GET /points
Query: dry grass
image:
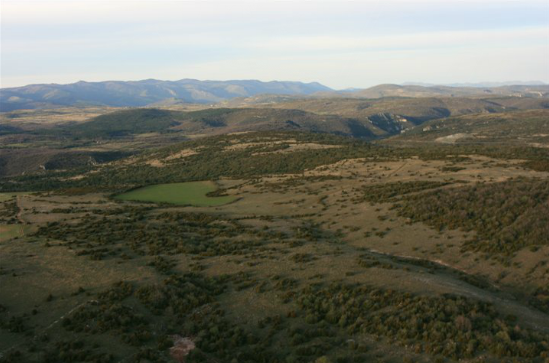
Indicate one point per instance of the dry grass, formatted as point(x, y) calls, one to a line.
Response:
point(290, 202)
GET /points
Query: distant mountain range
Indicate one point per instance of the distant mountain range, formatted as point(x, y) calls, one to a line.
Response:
point(394, 90)
point(142, 93)
point(479, 84)
point(165, 93)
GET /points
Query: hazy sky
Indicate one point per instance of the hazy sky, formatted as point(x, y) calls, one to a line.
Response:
point(340, 44)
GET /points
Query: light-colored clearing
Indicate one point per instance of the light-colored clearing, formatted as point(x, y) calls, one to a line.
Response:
point(451, 139)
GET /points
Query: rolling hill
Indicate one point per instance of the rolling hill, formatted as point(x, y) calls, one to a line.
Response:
point(141, 93)
point(527, 127)
point(390, 116)
point(216, 121)
point(368, 119)
point(158, 93)
point(33, 160)
point(278, 247)
point(394, 90)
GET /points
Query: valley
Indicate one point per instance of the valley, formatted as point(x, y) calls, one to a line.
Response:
point(319, 227)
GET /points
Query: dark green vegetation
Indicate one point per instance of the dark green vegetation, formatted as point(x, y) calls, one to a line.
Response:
point(333, 249)
point(378, 193)
point(17, 162)
point(96, 135)
point(392, 116)
point(451, 326)
point(265, 153)
point(126, 123)
point(134, 232)
point(338, 322)
point(519, 127)
point(122, 123)
point(215, 159)
point(506, 216)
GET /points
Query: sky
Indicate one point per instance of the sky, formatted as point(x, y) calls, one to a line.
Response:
point(337, 43)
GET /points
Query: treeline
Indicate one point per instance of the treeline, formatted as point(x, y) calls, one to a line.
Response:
point(134, 232)
point(214, 160)
point(326, 322)
point(447, 326)
point(506, 216)
point(386, 192)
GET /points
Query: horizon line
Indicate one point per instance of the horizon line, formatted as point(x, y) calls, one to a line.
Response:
point(405, 83)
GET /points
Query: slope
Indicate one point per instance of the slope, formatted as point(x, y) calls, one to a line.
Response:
point(393, 90)
point(528, 128)
point(215, 121)
point(141, 93)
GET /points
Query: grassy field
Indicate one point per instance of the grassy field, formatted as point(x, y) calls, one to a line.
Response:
point(193, 193)
point(5, 196)
point(319, 263)
point(9, 231)
point(8, 196)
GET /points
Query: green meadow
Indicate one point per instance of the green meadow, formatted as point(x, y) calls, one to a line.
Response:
point(191, 193)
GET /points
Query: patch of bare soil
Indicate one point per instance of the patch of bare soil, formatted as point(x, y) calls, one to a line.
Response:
point(300, 147)
point(182, 154)
point(182, 346)
point(245, 145)
point(451, 139)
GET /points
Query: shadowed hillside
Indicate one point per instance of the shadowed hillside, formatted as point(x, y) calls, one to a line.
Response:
point(216, 121)
point(390, 116)
point(530, 127)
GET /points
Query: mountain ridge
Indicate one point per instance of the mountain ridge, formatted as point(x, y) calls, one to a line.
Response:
point(144, 92)
point(157, 92)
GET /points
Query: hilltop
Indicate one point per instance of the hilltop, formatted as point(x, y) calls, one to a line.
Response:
point(393, 90)
point(524, 127)
point(83, 136)
point(390, 116)
point(142, 93)
point(158, 93)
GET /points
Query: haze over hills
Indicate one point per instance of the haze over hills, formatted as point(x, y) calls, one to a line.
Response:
point(216, 121)
point(478, 84)
point(390, 116)
point(153, 92)
point(394, 90)
point(142, 93)
point(367, 119)
point(523, 127)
